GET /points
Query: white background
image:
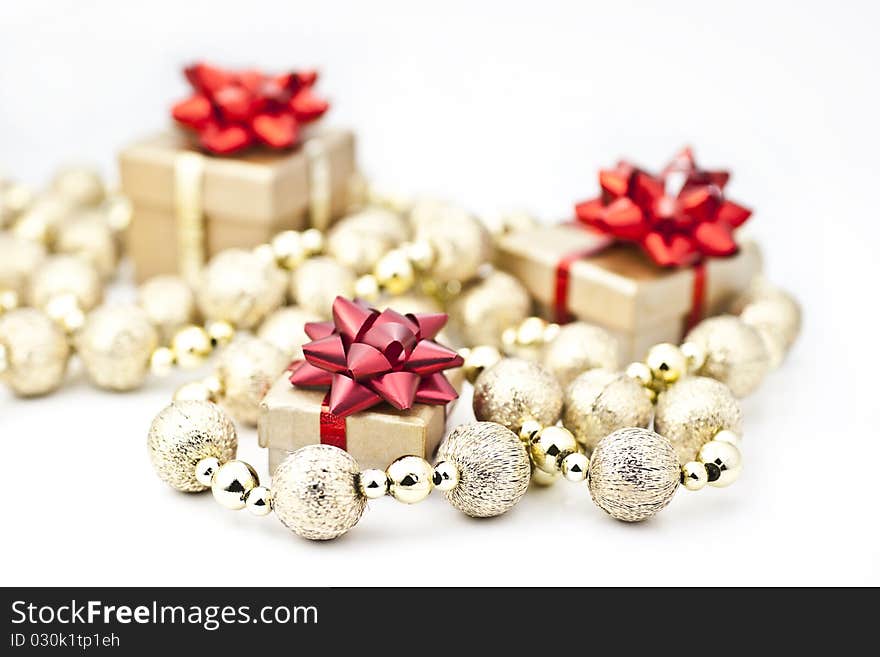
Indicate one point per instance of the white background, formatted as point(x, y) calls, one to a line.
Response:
point(495, 106)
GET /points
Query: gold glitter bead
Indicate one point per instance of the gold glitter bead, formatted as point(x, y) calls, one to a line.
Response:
point(318, 281)
point(461, 244)
point(410, 479)
point(184, 433)
point(633, 474)
point(64, 310)
point(579, 347)
point(191, 346)
point(313, 241)
point(446, 476)
point(315, 492)
point(723, 463)
point(549, 446)
point(479, 359)
point(66, 274)
point(194, 391)
point(666, 362)
point(735, 353)
point(694, 475)
point(88, 236)
point(18, 259)
point(258, 501)
point(285, 328)
point(238, 287)
point(247, 368)
point(777, 320)
point(516, 390)
point(35, 352)
point(493, 468)
point(692, 411)
point(486, 307)
point(360, 240)
point(373, 483)
point(366, 287)
point(81, 185)
point(115, 346)
point(232, 482)
point(288, 249)
point(220, 332)
point(599, 402)
point(575, 466)
point(169, 303)
point(205, 470)
point(394, 272)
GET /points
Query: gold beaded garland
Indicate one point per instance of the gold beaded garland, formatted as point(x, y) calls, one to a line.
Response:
point(579, 347)
point(35, 352)
point(735, 353)
point(514, 391)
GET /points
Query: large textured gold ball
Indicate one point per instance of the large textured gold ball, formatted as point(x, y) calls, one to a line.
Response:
point(35, 350)
point(66, 275)
point(80, 185)
point(493, 468)
point(460, 242)
point(577, 348)
point(485, 308)
point(247, 368)
point(318, 281)
point(115, 345)
point(88, 236)
point(316, 492)
point(599, 402)
point(778, 320)
point(285, 328)
point(239, 287)
point(18, 259)
point(692, 411)
point(514, 391)
point(184, 433)
point(735, 353)
point(361, 239)
point(169, 303)
point(633, 474)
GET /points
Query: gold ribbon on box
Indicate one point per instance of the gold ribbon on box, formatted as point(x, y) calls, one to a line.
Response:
point(189, 211)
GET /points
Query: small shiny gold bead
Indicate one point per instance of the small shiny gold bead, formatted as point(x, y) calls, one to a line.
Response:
point(641, 373)
point(452, 288)
point(373, 483)
point(4, 358)
point(421, 254)
point(289, 249)
point(727, 436)
point(508, 339)
point(550, 446)
point(205, 470)
point(220, 332)
point(551, 332)
point(695, 355)
point(232, 482)
point(446, 476)
point(65, 311)
point(265, 254)
point(258, 501)
point(694, 475)
point(161, 361)
point(394, 272)
point(366, 287)
point(312, 241)
point(531, 331)
point(214, 385)
point(118, 210)
point(575, 467)
point(410, 479)
point(543, 479)
point(193, 391)
point(529, 430)
point(191, 346)
point(8, 300)
point(478, 359)
point(723, 462)
point(667, 362)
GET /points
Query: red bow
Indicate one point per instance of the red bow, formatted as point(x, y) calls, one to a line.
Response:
point(675, 227)
point(366, 357)
point(233, 110)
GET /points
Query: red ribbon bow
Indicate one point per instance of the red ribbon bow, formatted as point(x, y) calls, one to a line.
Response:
point(366, 357)
point(231, 110)
point(678, 217)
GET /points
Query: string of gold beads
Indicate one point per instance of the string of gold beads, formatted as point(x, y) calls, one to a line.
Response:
point(665, 364)
point(718, 464)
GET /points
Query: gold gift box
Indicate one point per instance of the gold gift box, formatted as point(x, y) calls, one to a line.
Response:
point(290, 418)
point(187, 206)
point(618, 287)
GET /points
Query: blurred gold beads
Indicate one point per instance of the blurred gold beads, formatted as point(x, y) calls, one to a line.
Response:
point(478, 359)
point(410, 479)
point(666, 362)
point(723, 462)
point(318, 281)
point(366, 287)
point(579, 347)
point(246, 370)
point(80, 185)
point(191, 346)
point(66, 274)
point(550, 446)
point(488, 306)
point(219, 332)
point(288, 249)
point(35, 352)
point(169, 303)
point(373, 483)
point(232, 482)
point(394, 272)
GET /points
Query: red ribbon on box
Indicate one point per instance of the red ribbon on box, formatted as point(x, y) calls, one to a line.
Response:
point(679, 218)
point(232, 110)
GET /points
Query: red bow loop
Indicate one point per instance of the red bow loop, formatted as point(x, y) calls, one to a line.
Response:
point(678, 217)
point(231, 110)
point(366, 357)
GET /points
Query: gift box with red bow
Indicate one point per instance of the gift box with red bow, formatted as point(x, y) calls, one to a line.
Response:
point(244, 162)
point(646, 259)
point(373, 383)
